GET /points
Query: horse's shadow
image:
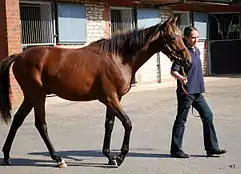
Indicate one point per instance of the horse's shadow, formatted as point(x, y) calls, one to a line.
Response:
point(31, 162)
point(75, 154)
point(79, 158)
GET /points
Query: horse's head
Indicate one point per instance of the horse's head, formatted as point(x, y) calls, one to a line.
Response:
point(168, 35)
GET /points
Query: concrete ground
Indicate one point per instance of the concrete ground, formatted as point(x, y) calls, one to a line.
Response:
point(77, 131)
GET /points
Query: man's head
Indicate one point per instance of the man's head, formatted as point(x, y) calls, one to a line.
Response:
point(191, 36)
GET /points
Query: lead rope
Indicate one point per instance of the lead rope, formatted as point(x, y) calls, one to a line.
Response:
point(185, 76)
point(185, 91)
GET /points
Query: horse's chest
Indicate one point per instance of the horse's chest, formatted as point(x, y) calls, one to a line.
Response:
point(119, 75)
point(124, 81)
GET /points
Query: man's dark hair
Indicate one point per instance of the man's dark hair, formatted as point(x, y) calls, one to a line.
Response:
point(188, 30)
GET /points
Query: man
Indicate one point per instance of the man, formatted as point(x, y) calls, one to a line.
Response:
point(189, 93)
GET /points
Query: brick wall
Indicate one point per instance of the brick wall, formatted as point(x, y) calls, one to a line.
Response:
point(165, 13)
point(14, 46)
point(3, 31)
point(13, 26)
point(205, 59)
point(10, 28)
point(95, 21)
point(10, 42)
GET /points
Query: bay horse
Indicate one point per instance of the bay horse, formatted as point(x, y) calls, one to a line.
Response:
point(102, 70)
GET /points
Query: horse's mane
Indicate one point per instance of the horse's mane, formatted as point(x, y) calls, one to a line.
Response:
point(124, 44)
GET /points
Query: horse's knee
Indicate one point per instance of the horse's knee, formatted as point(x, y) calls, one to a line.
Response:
point(109, 124)
point(40, 126)
point(128, 126)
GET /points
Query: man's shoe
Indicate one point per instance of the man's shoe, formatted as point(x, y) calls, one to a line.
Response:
point(180, 154)
point(215, 152)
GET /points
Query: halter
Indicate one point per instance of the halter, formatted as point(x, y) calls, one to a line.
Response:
point(172, 54)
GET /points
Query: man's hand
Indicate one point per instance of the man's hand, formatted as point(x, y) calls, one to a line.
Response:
point(183, 80)
point(178, 76)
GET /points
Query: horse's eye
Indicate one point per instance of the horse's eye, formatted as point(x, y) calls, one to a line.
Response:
point(172, 37)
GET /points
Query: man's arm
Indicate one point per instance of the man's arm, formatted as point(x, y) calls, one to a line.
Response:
point(178, 76)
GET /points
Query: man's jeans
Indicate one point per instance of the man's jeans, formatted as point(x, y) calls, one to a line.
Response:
point(199, 103)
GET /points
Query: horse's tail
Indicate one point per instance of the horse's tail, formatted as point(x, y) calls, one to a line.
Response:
point(5, 103)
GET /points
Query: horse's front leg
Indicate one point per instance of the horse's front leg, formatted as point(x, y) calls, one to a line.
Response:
point(114, 102)
point(109, 123)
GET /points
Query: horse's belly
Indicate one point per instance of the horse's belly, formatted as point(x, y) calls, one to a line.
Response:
point(75, 92)
point(76, 96)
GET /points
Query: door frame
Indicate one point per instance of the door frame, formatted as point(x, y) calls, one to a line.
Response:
point(122, 8)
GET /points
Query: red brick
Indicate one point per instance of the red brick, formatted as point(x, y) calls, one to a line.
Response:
point(206, 63)
point(10, 41)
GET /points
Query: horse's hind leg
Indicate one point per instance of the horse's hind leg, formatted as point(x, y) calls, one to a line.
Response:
point(41, 125)
point(18, 119)
point(109, 123)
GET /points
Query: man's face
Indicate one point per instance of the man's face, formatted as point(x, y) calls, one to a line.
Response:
point(193, 38)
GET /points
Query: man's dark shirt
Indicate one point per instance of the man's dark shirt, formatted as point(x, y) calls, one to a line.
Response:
point(195, 82)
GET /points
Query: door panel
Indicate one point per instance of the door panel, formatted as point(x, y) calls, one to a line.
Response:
point(150, 71)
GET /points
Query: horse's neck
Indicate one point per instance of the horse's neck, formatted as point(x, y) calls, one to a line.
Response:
point(141, 58)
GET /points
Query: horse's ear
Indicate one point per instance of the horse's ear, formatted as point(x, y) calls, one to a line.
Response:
point(175, 20)
point(155, 36)
point(170, 19)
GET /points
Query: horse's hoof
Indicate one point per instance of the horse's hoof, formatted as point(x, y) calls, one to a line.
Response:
point(6, 162)
point(119, 160)
point(62, 164)
point(113, 163)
